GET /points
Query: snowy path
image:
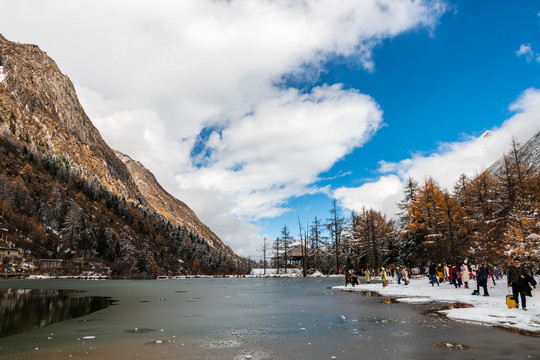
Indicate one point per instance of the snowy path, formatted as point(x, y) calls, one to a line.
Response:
point(490, 310)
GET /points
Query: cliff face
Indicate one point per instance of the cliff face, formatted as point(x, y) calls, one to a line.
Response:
point(41, 107)
point(42, 122)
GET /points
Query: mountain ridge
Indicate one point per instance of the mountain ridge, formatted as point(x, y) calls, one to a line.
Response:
point(43, 123)
point(528, 154)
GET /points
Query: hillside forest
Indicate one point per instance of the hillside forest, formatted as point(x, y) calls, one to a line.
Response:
point(50, 208)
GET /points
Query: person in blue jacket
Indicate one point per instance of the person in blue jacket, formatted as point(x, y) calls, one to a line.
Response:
point(481, 279)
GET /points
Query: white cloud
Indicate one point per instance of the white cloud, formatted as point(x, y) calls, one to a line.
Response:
point(381, 195)
point(450, 161)
point(526, 51)
point(152, 76)
point(281, 147)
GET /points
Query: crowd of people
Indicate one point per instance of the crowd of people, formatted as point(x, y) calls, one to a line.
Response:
point(461, 274)
point(519, 279)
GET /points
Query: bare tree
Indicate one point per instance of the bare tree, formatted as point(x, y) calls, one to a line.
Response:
point(304, 246)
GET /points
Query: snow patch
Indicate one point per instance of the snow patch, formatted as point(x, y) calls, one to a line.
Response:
point(414, 300)
point(277, 272)
point(488, 310)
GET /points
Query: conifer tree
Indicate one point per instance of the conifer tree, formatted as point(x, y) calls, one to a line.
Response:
point(454, 230)
point(520, 207)
point(335, 226)
point(408, 245)
point(277, 247)
point(264, 252)
point(286, 242)
point(486, 233)
point(372, 237)
point(317, 242)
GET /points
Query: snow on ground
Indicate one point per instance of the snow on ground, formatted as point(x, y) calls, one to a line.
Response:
point(277, 272)
point(2, 75)
point(489, 310)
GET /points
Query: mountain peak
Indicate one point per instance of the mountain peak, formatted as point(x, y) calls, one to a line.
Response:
point(41, 116)
point(528, 155)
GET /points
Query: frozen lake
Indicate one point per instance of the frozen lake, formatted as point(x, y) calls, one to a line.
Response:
point(234, 318)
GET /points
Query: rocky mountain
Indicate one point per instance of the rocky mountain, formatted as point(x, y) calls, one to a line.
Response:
point(81, 196)
point(164, 203)
point(528, 155)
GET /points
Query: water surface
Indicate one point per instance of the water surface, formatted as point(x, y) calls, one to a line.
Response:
point(257, 318)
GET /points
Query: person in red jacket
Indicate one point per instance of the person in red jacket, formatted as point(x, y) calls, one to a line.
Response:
point(455, 276)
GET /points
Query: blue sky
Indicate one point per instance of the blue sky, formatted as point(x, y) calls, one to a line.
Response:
point(434, 85)
point(255, 112)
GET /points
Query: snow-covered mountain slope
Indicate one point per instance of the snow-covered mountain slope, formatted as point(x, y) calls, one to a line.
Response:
point(528, 155)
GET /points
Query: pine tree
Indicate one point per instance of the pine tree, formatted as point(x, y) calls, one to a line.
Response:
point(317, 243)
point(522, 210)
point(277, 259)
point(454, 229)
point(409, 246)
point(372, 236)
point(486, 227)
point(286, 242)
point(335, 226)
point(421, 229)
point(73, 225)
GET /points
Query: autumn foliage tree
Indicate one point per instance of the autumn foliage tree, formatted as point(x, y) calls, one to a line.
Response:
point(488, 218)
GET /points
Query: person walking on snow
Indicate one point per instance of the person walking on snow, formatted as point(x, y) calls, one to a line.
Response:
point(367, 276)
point(433, 275)
point(384, 277)
point(440, 272)
point(521, 282)
point(497, 273)
point(347, 277)
point(465, 277)
point(405, 275)
point(481, 279)
point(454, 273)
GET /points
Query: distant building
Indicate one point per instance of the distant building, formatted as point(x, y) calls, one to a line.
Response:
point(9, 254)
point(295, 257)
point(50, 263)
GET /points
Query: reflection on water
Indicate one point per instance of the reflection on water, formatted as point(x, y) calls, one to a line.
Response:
point(456, 305)
point(25, 309)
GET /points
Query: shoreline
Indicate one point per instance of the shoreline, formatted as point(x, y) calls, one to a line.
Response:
point(175, 277)
point(486, 310)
